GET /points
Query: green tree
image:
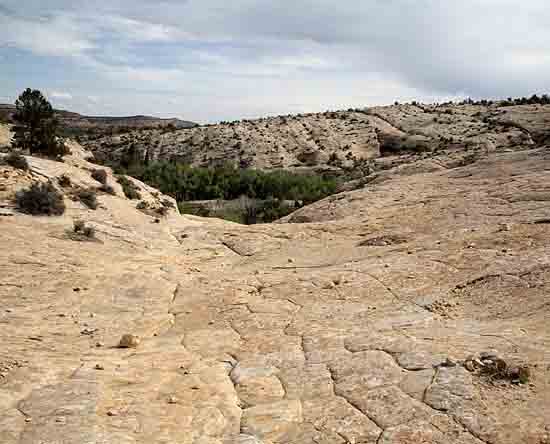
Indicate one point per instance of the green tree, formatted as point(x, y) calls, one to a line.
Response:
point(36, 128)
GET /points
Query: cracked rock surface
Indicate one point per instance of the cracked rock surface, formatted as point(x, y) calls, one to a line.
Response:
point(350, 342)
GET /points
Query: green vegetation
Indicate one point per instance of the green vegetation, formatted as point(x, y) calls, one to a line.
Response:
point(64, 181)
point(186, 183)
point(264, 196)
point(533, 100)
point(83, 231)
point(41, 198)
point(18, 161)
point(88, 198)
point(128, 187)
point(106, 188)
point(36, 129)
point(100, 176)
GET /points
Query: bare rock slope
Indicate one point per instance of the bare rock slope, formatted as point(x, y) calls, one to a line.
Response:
point(405, 313)
point(336, 139)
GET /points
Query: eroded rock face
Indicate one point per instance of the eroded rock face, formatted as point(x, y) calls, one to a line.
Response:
point(330, 140)
point(360, 338)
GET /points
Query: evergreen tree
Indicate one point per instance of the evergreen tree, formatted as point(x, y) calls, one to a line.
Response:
point(36, 128)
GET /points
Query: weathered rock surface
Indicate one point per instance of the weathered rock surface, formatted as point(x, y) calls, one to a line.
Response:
point(331, 140)
point(347, 343)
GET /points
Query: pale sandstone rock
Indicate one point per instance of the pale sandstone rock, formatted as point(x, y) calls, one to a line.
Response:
point(271, 422)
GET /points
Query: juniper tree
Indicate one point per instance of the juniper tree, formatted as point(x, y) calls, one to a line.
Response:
point(36, 128)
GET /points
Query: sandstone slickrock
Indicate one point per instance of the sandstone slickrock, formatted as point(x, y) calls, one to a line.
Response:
point(331, 140)
point(258, 350)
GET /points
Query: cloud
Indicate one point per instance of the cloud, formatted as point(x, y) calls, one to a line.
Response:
point(225, 59)
point(60, 95)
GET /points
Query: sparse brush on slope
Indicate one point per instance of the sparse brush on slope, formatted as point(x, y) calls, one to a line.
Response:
point(88, 198)
point(100, 176)
point(128, 187)
point(18, 161)
point(41, 198)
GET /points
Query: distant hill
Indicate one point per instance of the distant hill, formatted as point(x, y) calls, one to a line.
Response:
point(335, 140)
point(75, 124)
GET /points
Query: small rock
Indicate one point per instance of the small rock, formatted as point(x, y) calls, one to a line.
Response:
point(449, 363)
point(76, 289)
point(28, 419)
point(88, 331)
point(290, 260)
point(99, 367)
point(99, 344)
point(112, 413)
point(172, 400)
point(129, 341)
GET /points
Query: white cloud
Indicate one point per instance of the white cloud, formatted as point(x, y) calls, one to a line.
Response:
point(58, 36)
point(60, 95)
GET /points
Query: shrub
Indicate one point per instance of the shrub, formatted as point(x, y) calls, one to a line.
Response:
point(162, 211)
point(41, 198)
point(78, 226)
point(18, 161)
point(128, 187)
point(88, 198)
point(64, 181)
point(81, 229)
point(106, 188)
point(333, 158)
point(100, 176)
point(167, 203)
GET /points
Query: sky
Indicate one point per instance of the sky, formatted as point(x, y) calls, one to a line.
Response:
point(212, 60)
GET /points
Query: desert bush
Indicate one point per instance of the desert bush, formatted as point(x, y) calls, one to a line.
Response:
point(167, 203)
point(128, 187)
point(18, 161)
point(88, 197)
point(106, 188)
point(162, 211)
point(78, 226)
point(64, 181)
point(100, 176)
point(333, 159)
point(41, 198)
point(81, 229)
